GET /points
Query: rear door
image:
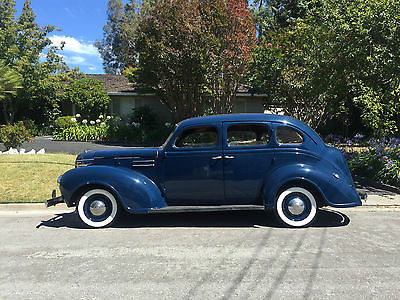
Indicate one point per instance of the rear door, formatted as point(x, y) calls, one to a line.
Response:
point(248, 152)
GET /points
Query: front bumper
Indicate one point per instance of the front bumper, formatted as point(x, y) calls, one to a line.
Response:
point(54, 200)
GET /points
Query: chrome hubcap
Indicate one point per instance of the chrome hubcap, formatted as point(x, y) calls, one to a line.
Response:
point(97, 208)
point(296, 206)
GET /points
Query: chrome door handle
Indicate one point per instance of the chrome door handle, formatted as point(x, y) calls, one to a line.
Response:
point(217, 157)
point(229, 157)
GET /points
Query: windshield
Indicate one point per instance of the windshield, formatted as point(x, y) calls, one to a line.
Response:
point(169, 137)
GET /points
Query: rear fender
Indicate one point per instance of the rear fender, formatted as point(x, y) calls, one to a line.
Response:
point(136, 192)
point(335, 192)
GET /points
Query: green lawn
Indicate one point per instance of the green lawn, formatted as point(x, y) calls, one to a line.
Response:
point(31, 178)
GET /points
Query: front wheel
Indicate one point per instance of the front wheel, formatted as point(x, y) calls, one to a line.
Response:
point(97, 208)
point(296, 207)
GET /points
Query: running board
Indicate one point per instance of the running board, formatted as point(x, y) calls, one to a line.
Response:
point(172, 209)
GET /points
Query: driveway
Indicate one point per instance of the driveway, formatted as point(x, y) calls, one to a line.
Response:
point(347, 254)
point(52, 146)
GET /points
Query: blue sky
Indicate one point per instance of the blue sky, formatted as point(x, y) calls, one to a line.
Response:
point(81, 24)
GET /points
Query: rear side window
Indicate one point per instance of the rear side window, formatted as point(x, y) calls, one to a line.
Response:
point(198, 137)
point(241, 135)
point(287, 135)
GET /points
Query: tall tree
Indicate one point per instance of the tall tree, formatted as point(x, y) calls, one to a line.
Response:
point(111, 44)
point(233, 36)
point(22, 43)
point(117, 48)
point(8, 31)
point(10, 82)
point(195, 53)
point(275, 14)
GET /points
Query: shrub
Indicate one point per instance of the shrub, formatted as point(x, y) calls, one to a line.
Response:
point(13, 135)
point(375, 159)
point(31, 127)
point(62, 123)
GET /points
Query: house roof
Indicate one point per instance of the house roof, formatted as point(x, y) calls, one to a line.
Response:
point(119, 84)
point(115, 83)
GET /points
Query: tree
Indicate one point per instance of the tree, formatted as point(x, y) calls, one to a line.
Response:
point(275, 14)
point(89, 95)
point(117, 48)
point(233, 36)
point(22, 43)
point(341, 57)
point(10, 82)
point(110, 46)
point(195, 53)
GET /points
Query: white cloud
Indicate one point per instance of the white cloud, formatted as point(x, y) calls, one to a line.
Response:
point(74, 46)
point(92, 68)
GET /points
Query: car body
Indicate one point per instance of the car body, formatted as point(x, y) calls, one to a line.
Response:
point(235, 160)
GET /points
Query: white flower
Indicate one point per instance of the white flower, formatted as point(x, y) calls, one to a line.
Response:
point(92, 122)
point(102, 123)
point(84, 121)
point(167, 124)
point(108, 117)
point(73, 119)
point(98, 121)
point(101, 117)
point(78, 115)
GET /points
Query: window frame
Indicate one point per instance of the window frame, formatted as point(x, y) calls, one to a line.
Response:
point(293, 128)
point(183, 130)
point(236, 123)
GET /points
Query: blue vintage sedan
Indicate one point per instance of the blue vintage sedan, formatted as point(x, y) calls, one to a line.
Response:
point(224, 161)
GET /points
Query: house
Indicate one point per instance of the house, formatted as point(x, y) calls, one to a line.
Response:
point(125, 97)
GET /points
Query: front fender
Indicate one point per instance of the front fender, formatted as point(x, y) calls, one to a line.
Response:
point(336, 192)
point(136, 192)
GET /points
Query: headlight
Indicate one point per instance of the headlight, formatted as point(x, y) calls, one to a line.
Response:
point(59, 180)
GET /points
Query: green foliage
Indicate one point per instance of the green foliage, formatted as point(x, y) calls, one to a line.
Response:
point(117, 47)
point(10, 82)
point(275, 14)
point(22, 42)
point(62, 123)
point(89, 95)
point(83, 133)
point(378, 160)
point(13, 135)
point(343, 55)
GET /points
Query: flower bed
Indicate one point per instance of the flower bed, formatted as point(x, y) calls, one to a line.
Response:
point(375, 159)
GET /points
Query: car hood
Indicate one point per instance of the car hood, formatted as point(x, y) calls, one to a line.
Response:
point(91, 157)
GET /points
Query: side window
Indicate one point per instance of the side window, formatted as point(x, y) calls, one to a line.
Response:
point(198, 137)
point(240, 135)
point(287, 135)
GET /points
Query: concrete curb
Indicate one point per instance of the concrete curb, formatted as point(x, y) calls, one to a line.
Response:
point(40, 208)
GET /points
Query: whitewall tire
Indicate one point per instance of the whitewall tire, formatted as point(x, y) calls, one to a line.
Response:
point(97, 208)
point(296, 207)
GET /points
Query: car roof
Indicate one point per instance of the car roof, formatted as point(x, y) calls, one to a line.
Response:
point(248, 117)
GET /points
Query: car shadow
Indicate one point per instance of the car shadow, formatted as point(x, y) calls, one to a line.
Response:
point(230, 219)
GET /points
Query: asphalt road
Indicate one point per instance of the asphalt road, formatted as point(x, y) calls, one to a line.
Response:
point(222, 255)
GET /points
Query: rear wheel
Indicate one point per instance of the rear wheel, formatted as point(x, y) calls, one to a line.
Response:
point(97, 208)
point(296, 206)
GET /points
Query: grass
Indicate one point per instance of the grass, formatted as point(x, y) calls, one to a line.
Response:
point(31, 178)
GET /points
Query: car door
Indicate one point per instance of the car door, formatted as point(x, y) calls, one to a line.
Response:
point(193, 167)
point(248, 152)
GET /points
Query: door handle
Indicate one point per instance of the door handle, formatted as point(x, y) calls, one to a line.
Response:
point(217, 157)
point(229, 157)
